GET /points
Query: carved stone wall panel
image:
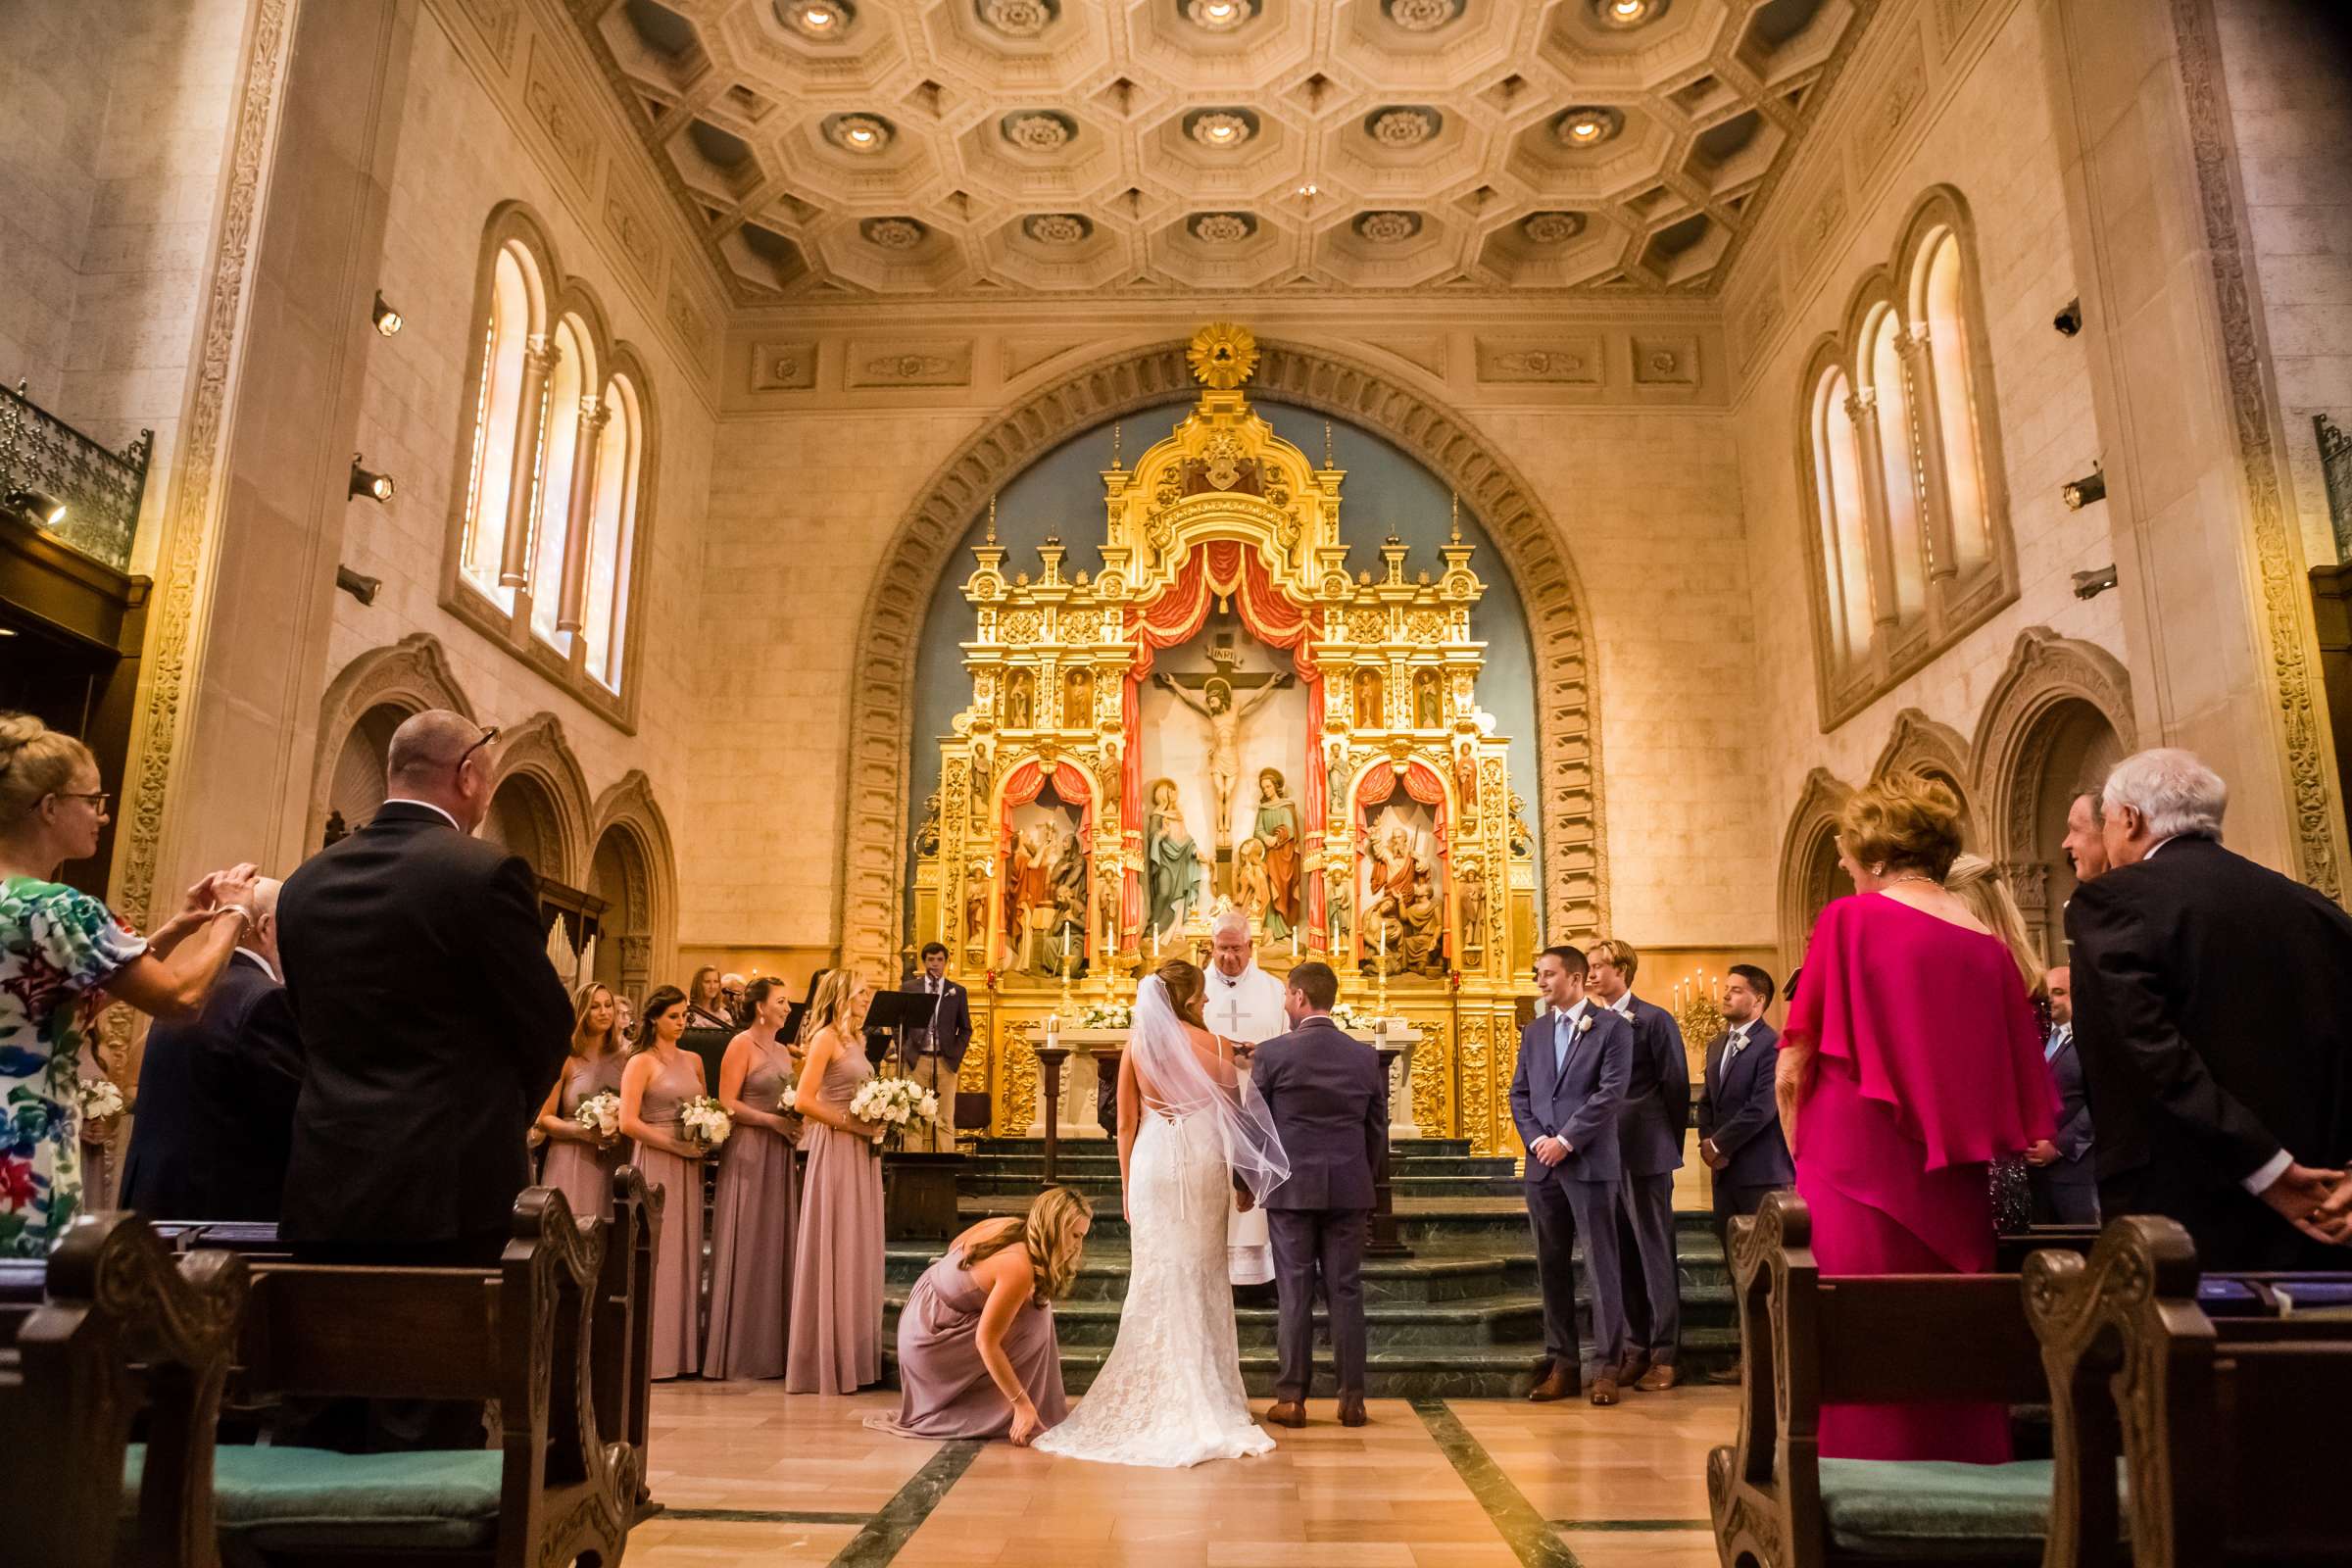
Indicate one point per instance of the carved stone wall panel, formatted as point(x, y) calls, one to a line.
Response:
point(931, 361)
point(635, 235)
point(1882, 121)
point(566, 128)
point(1660, 360)
point(687, 321)
point(783, 366)
point(1754, 322)
point(496, 21)
point(1019, 356)
point(1567, 361)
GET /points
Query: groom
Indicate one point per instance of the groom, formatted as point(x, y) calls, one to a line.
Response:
point(1330, 1103)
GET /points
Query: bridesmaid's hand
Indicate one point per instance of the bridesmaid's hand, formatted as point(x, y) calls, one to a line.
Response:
point(1025, 1423)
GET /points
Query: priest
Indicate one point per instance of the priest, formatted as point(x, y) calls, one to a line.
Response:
point(1244, 1004)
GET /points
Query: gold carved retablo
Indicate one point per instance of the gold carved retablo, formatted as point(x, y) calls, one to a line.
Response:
point(1222, 355)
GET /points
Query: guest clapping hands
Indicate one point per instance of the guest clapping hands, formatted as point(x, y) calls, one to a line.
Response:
point(653, 1089)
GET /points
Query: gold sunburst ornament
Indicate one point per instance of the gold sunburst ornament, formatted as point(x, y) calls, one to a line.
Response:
point(1222, 355)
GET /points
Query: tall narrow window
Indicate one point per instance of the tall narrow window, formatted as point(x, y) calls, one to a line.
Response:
point(1955, 404)
point(612, 527)
point(1846, 533)
point(498, 424)
point(559, 452)
point(1906, 539)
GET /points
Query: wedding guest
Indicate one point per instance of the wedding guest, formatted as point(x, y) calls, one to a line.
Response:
point(730, 996)
point(217, 1092)
point(58, 948)
point(2208, 1015)
point(1739, 1126)
point(934, 1053)
point(977, 1352)
point(2084, 846)
point(1651, 1119)
point(2065, 1179)
point(580, 1163)
point(654, 1086)
point(758, 1214)
point(1975, 882)
point(624, 1017)
point(706, 1009)
point(835, 1345)
point(1910, 1063)
point(415, 958)
point(1575, 1060)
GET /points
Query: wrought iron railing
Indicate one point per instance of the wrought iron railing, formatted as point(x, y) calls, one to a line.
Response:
point(42, 456)
point(2335, 470)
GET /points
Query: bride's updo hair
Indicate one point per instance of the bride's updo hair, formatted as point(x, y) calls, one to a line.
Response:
point(1055, 1232)
point(1188, 989)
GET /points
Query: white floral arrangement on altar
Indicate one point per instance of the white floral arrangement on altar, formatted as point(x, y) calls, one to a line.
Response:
point(703, 1120)
point(600, 1113)
point(898, 1105)
point(99, 1098)
point(1106, 1015)
point(1349, 1020)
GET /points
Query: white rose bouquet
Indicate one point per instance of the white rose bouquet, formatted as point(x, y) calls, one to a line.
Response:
point(600, 1113)
point(1348, 1018)
point(899, 1105)
point(100, 1099)
point(1106, 1015)
point(702, 1121)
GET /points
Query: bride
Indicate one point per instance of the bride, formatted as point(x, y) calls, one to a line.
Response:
point(1190, 1126)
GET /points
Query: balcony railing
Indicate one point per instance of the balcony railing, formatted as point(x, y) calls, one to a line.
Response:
point(41, 456)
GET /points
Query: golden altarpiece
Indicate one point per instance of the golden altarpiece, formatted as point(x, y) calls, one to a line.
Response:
point(1327, 768)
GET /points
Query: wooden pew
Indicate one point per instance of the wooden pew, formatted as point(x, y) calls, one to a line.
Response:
point(2227, 1427)
point(1806, 1341)
point(110, 1321)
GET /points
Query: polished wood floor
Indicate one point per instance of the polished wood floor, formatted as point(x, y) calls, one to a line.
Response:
point(751, 1475)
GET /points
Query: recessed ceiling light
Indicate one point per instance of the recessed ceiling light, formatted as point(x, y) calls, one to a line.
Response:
point(816, 18)
point(1588, 127)
point(863, 135)
point(1627, 13)
point(1219, 15)
point(1221, 129)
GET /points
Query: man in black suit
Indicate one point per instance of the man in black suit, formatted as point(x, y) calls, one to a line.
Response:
point(2208, 1016)
point(432, 1024)
point(934, 1055)
point(1740, 1135)
point(1330, 1103)
point(2064, 1178)
point(1650, 1122)
point(217, 1092)
point(1574, 1063)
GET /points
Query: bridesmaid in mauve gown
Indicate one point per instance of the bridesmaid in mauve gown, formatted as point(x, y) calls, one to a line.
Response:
point(758, 1210)
point(836, 1339)
point(580, 1165)
point(657, 1081)
point(978, 1356)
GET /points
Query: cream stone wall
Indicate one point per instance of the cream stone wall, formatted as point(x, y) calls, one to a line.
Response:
point(1993, 143)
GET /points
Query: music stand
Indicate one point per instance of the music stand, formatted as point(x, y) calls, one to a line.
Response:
point(892, 1013)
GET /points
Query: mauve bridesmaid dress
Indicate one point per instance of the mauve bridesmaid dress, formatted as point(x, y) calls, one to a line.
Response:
point(751, 1230)
point(582, 1172)
point(678, 1260)
point(836, 1343)
point(946, 1391)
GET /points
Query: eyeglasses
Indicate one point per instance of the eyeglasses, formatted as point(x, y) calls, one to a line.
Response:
point(487, 737)
point(100, 799)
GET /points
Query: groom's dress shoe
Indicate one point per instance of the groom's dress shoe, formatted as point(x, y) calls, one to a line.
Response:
point(1352, 1414)
point(1604, 1389)
point(1660, 1377)
point(1557, 1385)
point(1287, 1413)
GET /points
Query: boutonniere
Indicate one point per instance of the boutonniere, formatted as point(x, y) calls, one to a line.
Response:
point(1584, 1025)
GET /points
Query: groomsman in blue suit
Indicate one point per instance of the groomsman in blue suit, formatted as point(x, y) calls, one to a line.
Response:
point(1574, 1061)
point(1650, 1122)
point(1739, 1124)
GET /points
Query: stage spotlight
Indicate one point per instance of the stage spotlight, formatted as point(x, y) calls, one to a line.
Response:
point(2081, 493)
point(2091, 584)
point(376, 487)
point(388, 320)
point(39, 506)
point(2069, 320)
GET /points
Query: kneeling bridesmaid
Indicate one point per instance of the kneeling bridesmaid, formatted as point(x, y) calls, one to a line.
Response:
point(977, 1352)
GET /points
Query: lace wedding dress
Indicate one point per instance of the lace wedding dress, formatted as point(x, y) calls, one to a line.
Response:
point(1171, 1392)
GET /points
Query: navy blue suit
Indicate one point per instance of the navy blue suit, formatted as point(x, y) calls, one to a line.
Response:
point(217, 1098)
point(2065, 1192)
point(951, 1031)
point(1738, 1111)
point(1650, 1123)
point(1576, 1100)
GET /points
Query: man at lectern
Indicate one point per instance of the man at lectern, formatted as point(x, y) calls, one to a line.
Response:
point(934, 1055)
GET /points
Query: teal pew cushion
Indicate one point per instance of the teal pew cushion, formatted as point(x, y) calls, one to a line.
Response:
point(297, 1499)
point(1928, 1508)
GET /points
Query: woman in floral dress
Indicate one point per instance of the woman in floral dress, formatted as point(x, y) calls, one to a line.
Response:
point(58, 947)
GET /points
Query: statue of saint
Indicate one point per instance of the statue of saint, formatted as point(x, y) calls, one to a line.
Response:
point(1215, 705)
point(1371, 700)
point(1068, 885)
point(1172, 859)
point(1338, 894)
point(1403, 904)
point(1280, 831)
point(1428, 702)
point(1251, 893)
point(1078, 699)
point(1019, 700)
point(1030, 890)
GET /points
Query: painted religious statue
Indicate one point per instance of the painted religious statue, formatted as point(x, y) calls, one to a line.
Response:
point(1038, 850)
point(1215, 704)
point(1403, 915)
point(1270, 857)
point(1173, 861)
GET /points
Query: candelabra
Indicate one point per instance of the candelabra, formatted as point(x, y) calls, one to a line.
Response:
point(1696, 1007)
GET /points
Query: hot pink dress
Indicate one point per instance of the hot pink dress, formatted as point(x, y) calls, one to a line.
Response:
point(1929, 1067)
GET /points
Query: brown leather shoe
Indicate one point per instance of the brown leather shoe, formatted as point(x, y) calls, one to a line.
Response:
point(1287, 1413)
point(1724, 1376)
point(1352, 1414)
point(1557, 1385)
point(1633, 1369)
point(1604, 1389)
point(1660, 1377)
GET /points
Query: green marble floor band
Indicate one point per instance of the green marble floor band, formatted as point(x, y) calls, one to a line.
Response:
point(901, 1517)
point(1528, 1534)
point(765, 1516)
point(1635, 1527)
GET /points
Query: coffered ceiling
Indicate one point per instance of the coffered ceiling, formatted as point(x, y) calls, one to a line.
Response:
point(834, 149)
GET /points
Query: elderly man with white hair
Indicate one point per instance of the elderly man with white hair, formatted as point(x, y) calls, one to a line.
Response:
point(1243, 1003)
point(2209, 1018)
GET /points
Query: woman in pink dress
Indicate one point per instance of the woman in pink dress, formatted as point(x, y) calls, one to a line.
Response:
point(579, 1162)
point(655, 1087)
point(835, 1339)
point(757, 1211)
point(1910, 1063)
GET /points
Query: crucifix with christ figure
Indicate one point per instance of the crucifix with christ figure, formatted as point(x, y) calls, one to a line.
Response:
point(1224, 712)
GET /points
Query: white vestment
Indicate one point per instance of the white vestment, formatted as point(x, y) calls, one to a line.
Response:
point(1246, 1006)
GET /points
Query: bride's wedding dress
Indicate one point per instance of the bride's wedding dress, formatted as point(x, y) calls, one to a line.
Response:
point(1171, 1392)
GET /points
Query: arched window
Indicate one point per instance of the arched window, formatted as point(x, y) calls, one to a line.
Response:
point(553, 473)
point(1945, 360)
point(1838, 483)
point(1907, 543)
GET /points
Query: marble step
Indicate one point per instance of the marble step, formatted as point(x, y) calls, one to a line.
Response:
point(1103, 1183)
point(1427, 1278)
point(1097, 1156)
point(1433, 1147)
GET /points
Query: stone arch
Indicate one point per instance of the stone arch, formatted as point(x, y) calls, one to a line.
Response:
point(2058, 717)
point(632, 866)
point(362, 707)
point(1810, 875)
point(1574, 873)
point(1920, 745)
point(537, 786)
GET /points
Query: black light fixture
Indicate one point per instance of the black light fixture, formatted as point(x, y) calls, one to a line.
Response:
point(2091, 584)
point(2068, 320)
point(2081, 493)
point(360, 586)
point(37, 505)
point(376, 487)
point(388, 320)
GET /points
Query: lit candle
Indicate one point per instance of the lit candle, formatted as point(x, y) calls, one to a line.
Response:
point(1052, 1028)
point(1383, 939)
point(1293, 941)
